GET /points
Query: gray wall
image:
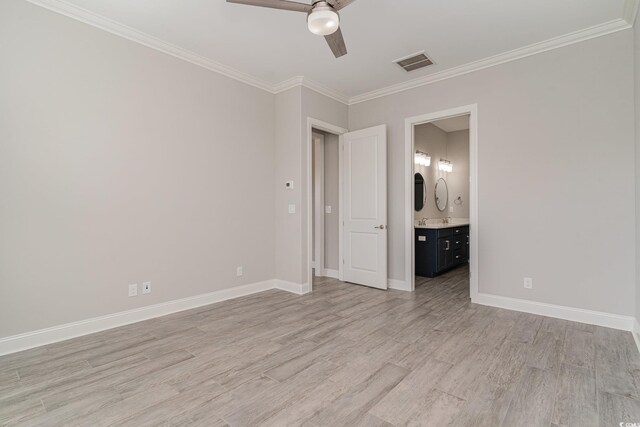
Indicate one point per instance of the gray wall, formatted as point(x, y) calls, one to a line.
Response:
point(120, 164)
point(287, 168)
point(556, 171)
point(636, 32)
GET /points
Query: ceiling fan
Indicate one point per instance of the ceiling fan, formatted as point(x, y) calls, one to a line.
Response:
point(322, 18)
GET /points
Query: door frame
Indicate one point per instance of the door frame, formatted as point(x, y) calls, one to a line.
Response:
point(409, 144)
point(319, 203)
point(336, 130)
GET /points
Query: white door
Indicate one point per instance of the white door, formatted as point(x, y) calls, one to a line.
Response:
point(365, 207)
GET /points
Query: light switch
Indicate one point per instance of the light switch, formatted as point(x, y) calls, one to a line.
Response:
point(327, 209)
point(292, 209)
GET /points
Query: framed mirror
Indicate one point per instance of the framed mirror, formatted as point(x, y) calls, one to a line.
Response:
point(420, 192)
point(442, 195)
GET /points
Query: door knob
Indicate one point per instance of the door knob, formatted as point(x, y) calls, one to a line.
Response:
point(380, 227)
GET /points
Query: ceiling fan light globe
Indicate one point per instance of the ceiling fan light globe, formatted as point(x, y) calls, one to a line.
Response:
point(323, 22)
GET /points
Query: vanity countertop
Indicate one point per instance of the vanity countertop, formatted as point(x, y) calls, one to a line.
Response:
point(438, 225)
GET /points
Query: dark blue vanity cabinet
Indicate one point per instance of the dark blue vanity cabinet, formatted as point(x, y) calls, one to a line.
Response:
point(439, 250)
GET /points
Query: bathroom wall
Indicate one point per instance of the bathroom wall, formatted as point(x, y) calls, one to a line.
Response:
point(458, 180)
point(453, 146)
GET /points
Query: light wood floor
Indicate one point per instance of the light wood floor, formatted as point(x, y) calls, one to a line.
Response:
point(343, 355)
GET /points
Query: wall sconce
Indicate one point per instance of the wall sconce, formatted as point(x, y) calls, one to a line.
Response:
point(422, 159)
point(445, 165)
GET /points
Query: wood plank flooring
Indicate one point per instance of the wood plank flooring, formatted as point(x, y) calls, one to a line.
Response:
point(343, 355)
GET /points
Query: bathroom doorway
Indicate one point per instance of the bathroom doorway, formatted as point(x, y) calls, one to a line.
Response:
point(442, 200)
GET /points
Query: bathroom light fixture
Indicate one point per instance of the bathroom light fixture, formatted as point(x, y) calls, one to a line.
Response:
point(323, 19)
point(445, 165)
point(422, 159)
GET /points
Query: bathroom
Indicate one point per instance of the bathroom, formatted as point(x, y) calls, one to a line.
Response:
point(441, 197)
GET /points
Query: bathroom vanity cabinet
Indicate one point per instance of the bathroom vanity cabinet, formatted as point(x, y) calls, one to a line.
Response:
point(440, 249)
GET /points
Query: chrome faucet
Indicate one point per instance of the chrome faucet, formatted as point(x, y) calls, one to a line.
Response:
point(446, 220)
point(423, 221)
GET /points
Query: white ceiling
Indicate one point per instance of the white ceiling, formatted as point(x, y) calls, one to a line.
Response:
point(453, 124)
point(273, 46)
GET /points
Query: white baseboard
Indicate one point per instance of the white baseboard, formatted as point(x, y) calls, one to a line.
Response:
point(399, 285)
point(25, 341)
point(331, 273)
point(296, 288)
point(598, 318)
point(636, 333)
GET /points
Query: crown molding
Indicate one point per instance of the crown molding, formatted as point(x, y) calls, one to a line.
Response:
point(630, 11)
point(106, 24)
point(98, 21)
point(513, 55)
point(312, 85)
point(323, 90)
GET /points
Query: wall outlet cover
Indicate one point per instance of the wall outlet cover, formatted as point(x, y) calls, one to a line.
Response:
point(327, 209)
point(528, 283)
point(133, 290)
point(292, 209)
point(239, 271)
point(146, 288)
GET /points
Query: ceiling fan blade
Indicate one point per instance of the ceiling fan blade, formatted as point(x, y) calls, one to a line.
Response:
point(336, 43)
point(340, 4)
point(276, 4)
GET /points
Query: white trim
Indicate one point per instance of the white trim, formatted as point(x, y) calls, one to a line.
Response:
point(67, 331)
point(328, 272)
point(636, 333)
point(399, 285)
point(409, 144)
point(296, 288)
point(630, 11)
point(607, 320)
point(75, 12)
point(336, 130)
point(513, 55)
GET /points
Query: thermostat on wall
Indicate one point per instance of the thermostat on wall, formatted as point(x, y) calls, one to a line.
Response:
point(288, 185)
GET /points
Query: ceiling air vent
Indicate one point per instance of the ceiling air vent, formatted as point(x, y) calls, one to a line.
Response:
point(414, 62)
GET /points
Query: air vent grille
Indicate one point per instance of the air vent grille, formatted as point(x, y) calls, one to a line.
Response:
point(414, 62)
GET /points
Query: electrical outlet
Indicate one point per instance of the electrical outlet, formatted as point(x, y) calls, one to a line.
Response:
point(528, 283)
point(327, 209)
point(239, 271)
point(146, 288)
point(133, 290)
point(292, 209)
point(451, 209)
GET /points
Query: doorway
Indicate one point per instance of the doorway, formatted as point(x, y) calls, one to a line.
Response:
point(362, 205)
point(441, 156)
point(325, 199)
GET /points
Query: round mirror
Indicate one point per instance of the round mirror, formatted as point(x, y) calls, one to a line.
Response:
point(442, 195)
point(420, 192)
